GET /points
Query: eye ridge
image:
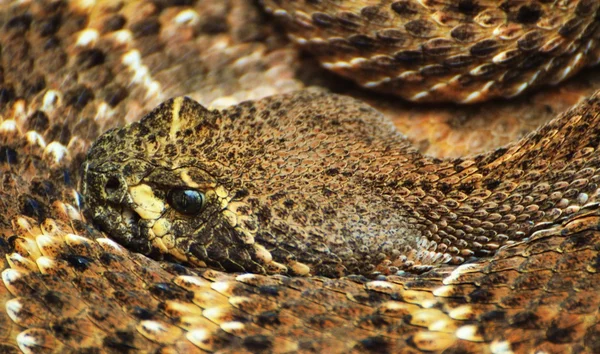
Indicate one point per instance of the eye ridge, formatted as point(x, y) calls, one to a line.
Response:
point(186, 201)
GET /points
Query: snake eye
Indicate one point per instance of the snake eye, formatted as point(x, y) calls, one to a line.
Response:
point(186, 201)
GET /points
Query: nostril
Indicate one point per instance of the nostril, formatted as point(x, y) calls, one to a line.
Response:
point(112, 185)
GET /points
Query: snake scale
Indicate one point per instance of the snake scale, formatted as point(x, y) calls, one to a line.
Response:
point(267, 219)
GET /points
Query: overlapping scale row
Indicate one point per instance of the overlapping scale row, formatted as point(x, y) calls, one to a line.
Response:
point(434, 51)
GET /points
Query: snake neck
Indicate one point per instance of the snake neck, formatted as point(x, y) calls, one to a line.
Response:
point(331, 182)
point(472, 206)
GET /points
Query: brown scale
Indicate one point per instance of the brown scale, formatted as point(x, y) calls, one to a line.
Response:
point(440, 51)
point(81, 293)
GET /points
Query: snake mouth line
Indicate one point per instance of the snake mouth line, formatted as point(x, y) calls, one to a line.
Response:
point(132, 220)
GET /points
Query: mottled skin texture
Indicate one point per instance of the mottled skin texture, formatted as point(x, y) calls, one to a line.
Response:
point(436, 51)
point(326, 181)
point(72, 70)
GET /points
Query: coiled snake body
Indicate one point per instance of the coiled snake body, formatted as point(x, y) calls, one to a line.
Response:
point(305, 222)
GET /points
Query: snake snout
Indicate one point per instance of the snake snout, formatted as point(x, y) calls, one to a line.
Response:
point(107, 204)
point(102, 188)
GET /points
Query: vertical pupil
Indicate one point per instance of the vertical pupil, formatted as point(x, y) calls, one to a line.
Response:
point(189, 198)
point(186, 201)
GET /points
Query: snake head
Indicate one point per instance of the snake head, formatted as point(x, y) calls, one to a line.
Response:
point(155, 187)
point(292, 184)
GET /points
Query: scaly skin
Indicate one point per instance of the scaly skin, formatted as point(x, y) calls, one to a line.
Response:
point(437, 51)
point(66, 287)
point(313, 183)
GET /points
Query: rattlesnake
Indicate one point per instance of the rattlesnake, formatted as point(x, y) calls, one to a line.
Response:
point(520, 283)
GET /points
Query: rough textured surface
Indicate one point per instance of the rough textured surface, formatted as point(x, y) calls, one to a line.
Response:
point(70, 71)
point(465, 50)
point(324, 181)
